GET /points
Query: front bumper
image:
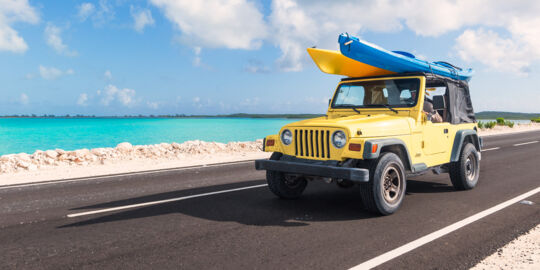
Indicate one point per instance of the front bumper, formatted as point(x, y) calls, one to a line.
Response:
point(352, 174)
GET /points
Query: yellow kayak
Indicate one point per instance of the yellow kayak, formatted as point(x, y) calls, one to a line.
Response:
point(333, 62)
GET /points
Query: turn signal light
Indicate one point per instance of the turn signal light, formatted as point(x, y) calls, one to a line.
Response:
point(270, 142)
point(374, 148)
point(355, 146)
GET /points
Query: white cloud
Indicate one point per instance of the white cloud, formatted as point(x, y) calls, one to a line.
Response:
point(488, 48)
point(100, 14)
point(85, 10)
point(82, 100)
point(255, 66)
point(51, 73)
point(233, 24)
point(23, 99)
point(125, 97)
point(197, 59)
point(108, 75)
point(54, 40)
point(141, 18)
point(13, 11)
point(196, 99)
point(152, 105)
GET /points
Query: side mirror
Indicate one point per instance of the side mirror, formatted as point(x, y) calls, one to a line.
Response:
point(438, 103)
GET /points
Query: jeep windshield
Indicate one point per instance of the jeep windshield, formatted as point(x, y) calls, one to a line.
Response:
point(396, 93)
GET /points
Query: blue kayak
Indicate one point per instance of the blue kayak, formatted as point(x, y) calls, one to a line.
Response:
point(396, 61)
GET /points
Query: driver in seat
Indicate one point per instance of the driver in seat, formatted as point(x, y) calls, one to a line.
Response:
point(431, 113)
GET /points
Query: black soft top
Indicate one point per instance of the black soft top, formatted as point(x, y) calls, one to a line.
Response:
point(457, 96)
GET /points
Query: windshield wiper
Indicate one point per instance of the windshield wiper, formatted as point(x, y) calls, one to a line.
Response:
point(352, 106)
point(390, 107)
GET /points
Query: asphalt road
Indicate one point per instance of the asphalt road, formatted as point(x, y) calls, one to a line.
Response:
point(232, 221)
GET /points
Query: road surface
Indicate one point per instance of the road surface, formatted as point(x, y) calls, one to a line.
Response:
point(225, 217)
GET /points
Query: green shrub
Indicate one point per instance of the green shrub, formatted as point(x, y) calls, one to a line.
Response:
point(509, 124)
point(480, 124)
point(500, 121)
point(490, 124)
point(536, 120)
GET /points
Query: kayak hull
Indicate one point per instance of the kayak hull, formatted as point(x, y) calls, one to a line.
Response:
point(333, 62)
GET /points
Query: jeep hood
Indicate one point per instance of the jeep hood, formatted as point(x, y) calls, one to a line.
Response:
point(370, 126)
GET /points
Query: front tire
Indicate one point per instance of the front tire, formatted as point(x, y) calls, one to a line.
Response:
point(465, 172)
point(384, 192)
point(283, 185)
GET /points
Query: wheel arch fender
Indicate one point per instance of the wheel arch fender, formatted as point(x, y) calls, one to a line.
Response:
point(394, 145)
point(462, 136)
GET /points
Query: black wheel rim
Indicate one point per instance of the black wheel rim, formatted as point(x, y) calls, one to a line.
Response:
point(292, 181)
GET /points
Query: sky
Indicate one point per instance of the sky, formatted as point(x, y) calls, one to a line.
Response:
point(118, 57)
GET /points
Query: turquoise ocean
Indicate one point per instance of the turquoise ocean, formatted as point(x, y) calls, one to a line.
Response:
point(26, 135)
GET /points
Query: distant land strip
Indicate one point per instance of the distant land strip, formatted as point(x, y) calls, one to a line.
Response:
point(507, 115)
point(479, 115)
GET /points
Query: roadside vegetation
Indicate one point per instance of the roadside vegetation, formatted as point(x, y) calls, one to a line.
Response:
point(535, 120)
point(498, 122)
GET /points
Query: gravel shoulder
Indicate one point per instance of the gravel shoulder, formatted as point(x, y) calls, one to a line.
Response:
point(521, 253)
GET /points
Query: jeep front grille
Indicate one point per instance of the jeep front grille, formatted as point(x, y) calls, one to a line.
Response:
point(312, 143)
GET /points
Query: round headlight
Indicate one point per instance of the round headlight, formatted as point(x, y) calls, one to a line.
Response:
point(286, 137)
point(339, 139)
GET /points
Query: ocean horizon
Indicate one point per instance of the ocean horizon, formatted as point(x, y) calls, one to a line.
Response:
point(26, 135)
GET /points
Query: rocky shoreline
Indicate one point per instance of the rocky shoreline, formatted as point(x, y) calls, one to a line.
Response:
point(124, 151)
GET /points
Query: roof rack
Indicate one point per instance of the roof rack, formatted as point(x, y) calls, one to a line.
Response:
point(405, 74)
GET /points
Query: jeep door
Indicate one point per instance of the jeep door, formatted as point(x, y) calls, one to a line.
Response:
point(436, 137)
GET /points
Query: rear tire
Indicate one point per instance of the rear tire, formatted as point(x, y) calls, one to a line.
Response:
point(384, 192)
point(465, 172)
point(285, 186)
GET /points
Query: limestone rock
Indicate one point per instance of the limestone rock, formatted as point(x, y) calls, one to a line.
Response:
point(124, 147)
point(51, 154)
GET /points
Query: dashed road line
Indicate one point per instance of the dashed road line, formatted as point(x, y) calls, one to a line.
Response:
point(491, 149)
point(440, 233)
point(518, 144)
point(160, 201)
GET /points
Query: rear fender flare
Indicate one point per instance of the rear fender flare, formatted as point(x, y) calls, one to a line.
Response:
point(461, 136)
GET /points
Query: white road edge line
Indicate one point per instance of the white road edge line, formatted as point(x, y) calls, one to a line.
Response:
point(518, 144)
point(123, 174)
point(161, 201)
point(440, 233)
point(490, 149)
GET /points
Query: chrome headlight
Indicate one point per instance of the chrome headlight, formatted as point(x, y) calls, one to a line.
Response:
point(339, 139)
point(286, 137)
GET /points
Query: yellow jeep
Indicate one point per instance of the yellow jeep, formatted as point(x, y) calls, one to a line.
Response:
point(375, 134)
